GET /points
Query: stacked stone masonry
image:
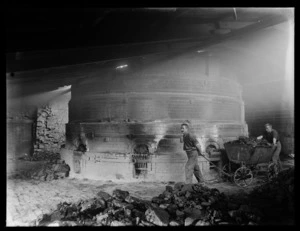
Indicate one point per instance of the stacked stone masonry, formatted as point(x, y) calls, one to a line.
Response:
point(50, 126)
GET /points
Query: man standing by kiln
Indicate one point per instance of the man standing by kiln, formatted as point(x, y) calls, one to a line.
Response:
point(192, 148)
point(272, 137)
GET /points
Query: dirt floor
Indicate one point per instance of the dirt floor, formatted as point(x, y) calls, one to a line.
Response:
point(28, 200)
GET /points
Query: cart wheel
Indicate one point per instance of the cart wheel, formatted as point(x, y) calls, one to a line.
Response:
point(225, 169)
point(243, 176)
point(273, 171)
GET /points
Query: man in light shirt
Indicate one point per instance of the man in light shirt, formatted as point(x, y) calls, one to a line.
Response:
point(272, 137)
point(192, 148)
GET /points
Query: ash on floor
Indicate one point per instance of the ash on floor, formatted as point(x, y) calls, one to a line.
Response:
point(29, 200)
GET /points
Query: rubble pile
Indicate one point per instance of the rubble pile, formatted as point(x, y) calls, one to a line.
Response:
point(276, 198)
point(41, 156)
point(51, 170)
point(181, 205)
point(50, 131)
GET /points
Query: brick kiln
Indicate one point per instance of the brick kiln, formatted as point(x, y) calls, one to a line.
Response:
point(131, 119)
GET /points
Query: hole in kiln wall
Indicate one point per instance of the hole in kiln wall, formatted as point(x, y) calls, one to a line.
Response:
point(141, 160)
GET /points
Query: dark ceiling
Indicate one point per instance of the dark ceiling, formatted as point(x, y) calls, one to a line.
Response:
point(56, 28)
point(45, 37)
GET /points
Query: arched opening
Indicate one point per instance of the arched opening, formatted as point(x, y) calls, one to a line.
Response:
point(141, 160)
point(141, 149)
point(212, 149)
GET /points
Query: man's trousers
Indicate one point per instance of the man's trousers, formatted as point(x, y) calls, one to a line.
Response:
point(192, 167)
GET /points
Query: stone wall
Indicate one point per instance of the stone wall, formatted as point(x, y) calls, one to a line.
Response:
point(50, 125)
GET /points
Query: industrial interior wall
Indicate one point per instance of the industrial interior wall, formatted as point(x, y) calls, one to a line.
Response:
point(19, 138)
point(273, 107)
point(19, 124)
point(50, 125)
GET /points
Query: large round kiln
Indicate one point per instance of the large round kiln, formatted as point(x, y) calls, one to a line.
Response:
point(123, 113)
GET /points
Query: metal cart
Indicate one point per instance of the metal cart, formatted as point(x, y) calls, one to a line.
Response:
point(250, 160)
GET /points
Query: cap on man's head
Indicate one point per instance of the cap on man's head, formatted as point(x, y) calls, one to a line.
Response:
point(185, 124)
point(268, 125)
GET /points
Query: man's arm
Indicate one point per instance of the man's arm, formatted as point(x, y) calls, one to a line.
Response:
point(86, 145)
point(275, 137)
point(199, 149)
point(197, 145)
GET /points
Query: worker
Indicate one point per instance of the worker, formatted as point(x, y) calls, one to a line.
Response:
point(81, 143)
point(272, 137)
point(192, 148)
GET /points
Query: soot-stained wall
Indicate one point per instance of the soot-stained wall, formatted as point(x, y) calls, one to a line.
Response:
point(20, 117)
point(35, 118)
point(273, 105)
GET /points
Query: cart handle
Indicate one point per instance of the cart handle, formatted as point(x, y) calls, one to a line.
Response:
point(225, 173)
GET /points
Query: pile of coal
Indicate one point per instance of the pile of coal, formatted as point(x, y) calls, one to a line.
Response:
point(181, 205)
point(51, 170)
point(198, 205)
point(249, 141)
